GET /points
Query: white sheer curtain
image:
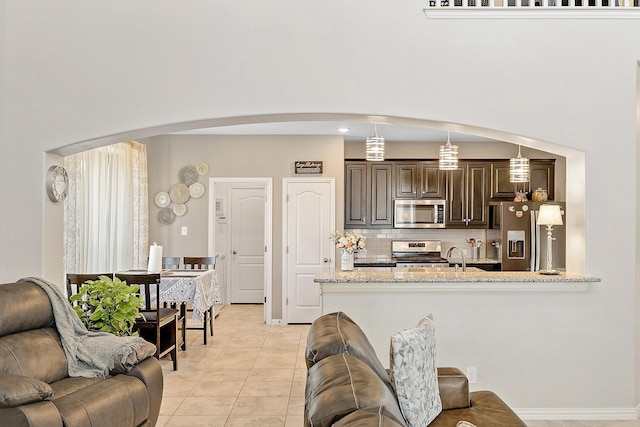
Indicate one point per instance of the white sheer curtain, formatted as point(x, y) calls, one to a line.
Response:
point(106, 215)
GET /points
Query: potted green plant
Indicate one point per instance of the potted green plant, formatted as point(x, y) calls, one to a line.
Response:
point(108, 305)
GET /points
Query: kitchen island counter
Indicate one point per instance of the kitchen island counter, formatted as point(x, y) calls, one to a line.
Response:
point(474, 310)
point(421, 279)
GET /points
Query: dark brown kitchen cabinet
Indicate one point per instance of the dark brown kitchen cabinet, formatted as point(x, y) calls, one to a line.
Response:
point(380, 190)
point(541, 174)
point(468, 195)
point(418, 180)
point(406, 178)
point(501, 185)
point(432, 181)
point(355, 192)
point(368, 194)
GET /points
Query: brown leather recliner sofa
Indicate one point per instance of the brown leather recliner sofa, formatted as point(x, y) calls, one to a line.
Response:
point(348, 386)
point(35, 387)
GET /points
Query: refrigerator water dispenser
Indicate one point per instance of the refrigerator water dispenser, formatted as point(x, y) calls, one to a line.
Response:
point(516, 244)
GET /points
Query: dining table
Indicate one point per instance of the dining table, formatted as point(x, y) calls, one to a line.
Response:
point(199, 287)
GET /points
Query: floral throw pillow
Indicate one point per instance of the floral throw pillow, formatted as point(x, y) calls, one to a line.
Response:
point(414, 373)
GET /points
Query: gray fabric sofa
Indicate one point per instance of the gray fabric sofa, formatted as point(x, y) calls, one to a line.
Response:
point(348, 386)
point(35, 387)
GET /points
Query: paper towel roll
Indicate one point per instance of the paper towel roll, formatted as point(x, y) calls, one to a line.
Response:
point(155, 259)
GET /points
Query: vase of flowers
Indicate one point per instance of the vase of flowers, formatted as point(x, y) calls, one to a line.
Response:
point(348, 243)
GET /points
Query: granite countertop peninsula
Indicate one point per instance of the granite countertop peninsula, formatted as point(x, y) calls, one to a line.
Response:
point(444, 275)
point(392, 279)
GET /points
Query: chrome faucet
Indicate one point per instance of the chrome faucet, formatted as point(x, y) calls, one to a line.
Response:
point(464, 264)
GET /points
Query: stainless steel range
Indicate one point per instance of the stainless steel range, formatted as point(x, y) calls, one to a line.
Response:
point(417, 253)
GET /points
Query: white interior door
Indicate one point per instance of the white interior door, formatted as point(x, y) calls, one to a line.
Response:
point(247, 243)
point(309, 217)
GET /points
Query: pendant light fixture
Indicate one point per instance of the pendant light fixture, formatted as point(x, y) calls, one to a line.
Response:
point(375, 147)
point(519, 168)
point(448, 156)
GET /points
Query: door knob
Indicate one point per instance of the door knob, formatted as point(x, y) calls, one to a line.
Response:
point(325, 260)
point(234, 252)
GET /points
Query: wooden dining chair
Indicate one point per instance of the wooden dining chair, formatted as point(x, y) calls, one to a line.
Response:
point(75, 280)
point(160, 326)
point(170, 262)
point(202, 263)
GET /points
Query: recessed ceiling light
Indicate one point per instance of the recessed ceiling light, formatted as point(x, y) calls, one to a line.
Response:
point(344, 130)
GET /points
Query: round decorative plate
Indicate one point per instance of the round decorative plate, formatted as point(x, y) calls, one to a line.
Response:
point(162, 199)
point(202, 168)
point(196, 190)
point(166, 216)
point(179, 193)
point(179, 209)
point(188, 175)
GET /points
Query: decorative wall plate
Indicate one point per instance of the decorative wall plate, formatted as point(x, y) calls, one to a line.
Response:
point(179, 193)
point(188, 175)
point(162, 199)
point(166, 216)
point(202, 168)
point(196, 190)
point(179, 209)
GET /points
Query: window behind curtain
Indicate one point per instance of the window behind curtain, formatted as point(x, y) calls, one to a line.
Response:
point(106, 214)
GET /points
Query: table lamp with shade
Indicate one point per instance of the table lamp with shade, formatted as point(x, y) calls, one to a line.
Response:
point(549, 215)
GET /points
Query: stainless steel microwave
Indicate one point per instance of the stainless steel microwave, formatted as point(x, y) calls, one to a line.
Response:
point(419, 213)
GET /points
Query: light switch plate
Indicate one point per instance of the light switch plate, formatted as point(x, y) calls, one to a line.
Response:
point(184, 230)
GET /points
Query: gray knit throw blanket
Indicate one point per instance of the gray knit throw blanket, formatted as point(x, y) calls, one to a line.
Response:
point(89, 353)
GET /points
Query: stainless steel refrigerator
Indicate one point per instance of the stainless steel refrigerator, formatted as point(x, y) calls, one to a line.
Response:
point(524, 242)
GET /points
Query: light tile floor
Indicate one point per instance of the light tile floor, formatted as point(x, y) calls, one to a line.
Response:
point(252, 374)
point(249, 374)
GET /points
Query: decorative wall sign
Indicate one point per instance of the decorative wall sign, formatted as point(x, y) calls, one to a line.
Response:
point(308, 166)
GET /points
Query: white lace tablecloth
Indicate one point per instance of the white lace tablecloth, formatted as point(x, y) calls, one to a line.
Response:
point(200, 287)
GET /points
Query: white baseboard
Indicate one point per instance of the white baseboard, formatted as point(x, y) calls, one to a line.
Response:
point(276, 322)
point(608, 414)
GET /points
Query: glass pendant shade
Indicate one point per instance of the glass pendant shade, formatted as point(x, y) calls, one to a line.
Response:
point(519, 169)
point(448, 156)
point(375, 148)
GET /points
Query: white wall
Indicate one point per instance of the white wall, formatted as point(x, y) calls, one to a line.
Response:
point(107, 71)
point(3, 175)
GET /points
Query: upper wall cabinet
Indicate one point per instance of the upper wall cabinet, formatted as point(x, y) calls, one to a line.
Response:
point(418, 180)
point(468, 195)
point(368, 194)
point(380, 190)
point(355, 194)
point(432, 181)
point(541, 175)
point(370, 188)
point(406, 178)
